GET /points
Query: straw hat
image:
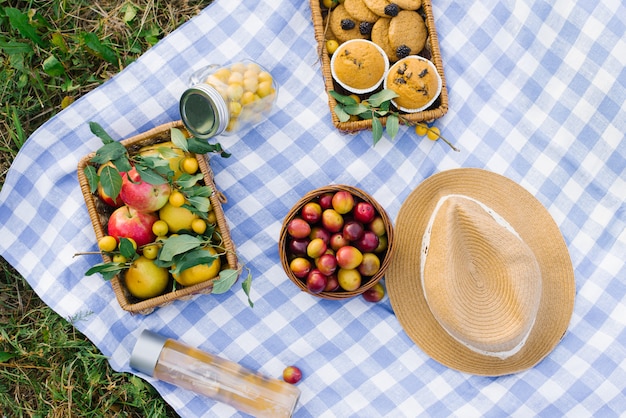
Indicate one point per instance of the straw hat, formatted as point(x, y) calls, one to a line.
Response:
point(481, 278)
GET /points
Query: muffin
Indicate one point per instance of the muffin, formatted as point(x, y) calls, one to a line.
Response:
point(416, 81)
point(359, 66)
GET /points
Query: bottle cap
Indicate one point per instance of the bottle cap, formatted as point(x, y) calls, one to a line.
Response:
point(147, 351)
point(204, 111)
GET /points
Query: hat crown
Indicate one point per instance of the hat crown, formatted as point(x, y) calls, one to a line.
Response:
point(481, 281)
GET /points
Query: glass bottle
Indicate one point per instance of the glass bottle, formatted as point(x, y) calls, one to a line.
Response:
point(226, 99)
point(212, 376)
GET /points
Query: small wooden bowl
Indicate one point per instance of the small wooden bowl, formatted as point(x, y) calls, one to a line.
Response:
point(367, 282)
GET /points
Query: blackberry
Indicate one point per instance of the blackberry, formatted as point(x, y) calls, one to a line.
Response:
point(347, 24)
point(402, 51)
point(392, 9)
point(365, 28)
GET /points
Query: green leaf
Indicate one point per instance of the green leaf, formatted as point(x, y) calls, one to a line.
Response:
point(345, 100)
point(98, 131)
point(92, 42)
point(342, 115)
point(376, 99)
point(127, 249)
point(188, 180)
point(177, 245)
point(149, 175)
point(129, 12)
point(111, 181)
point(393, 125)
point(179, 139)
point(109, 152)
point(192, 258)
point(107, 270)
point(200, 146)
point(5, 356)
point(58, 40)
point(92, 177)
point(227, 279)
point(167, 152)
point(356, 109)
point(20, 22)
point(202, 204)
point(14, 47)
point(377, 130)
point(53, 67)
point(246, 285)
point(122, 164)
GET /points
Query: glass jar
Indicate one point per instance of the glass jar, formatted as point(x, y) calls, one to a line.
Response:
point(227, 99)
point(212, 376)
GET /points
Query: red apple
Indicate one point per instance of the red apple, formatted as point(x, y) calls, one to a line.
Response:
point(364, 212)
point(129, 223)
point(143, 196)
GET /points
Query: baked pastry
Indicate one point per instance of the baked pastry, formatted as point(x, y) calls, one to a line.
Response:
point(407, 33)
point(416, 81)
point(359, 66)
point(344, 26)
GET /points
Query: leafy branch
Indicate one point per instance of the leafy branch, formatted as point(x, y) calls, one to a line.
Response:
point(377, 106)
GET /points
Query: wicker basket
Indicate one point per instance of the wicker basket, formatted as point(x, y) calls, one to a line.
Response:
point(431, 52)
point(385, 259)
point(99, 213)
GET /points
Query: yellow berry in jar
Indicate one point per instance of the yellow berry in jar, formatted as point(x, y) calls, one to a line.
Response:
point(234, 108)
point(234, 92)
point(265, 89)
point(254, 67)
point(238, 67)
point(250, 84)
point(331, 46)
point(222, 74)
point(235, 78)
point(248, 97)
point(265, 76)
point(232, 125)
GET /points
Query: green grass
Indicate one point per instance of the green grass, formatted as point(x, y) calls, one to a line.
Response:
point(52, 53)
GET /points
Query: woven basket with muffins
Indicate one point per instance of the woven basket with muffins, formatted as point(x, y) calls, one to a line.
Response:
point(403, 36)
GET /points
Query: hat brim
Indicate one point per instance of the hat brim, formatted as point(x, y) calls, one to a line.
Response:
point(534, 225)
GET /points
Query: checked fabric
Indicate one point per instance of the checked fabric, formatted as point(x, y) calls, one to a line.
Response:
point(536, 92)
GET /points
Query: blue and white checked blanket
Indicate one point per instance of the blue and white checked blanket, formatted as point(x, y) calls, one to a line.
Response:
point(536, 91)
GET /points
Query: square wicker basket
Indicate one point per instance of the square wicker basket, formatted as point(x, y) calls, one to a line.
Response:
point(431, 52)
point(99, 213)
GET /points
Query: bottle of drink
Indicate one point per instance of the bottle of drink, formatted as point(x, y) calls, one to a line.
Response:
point(212, 376)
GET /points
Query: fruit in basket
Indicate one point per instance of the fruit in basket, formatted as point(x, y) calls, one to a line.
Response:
point(141, 195)
point(326, 263)
point(370, 264)
point(343, 202)
point(316, 281)
point(298, 246)
point(201, 272)
point(300, 266)
point(128, 222)
point(349, 279)
point(177, 218)
point(364, 212)
point(316, 248)
point(168, 151)
point(349, 257)
point(353, 230)
point(311, 212)
point(298, 228)
point(332, 220)
point(144, 279)
point(107, 243)
point(367, 242)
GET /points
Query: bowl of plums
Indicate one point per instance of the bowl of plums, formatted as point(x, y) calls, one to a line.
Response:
point(336, 242)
